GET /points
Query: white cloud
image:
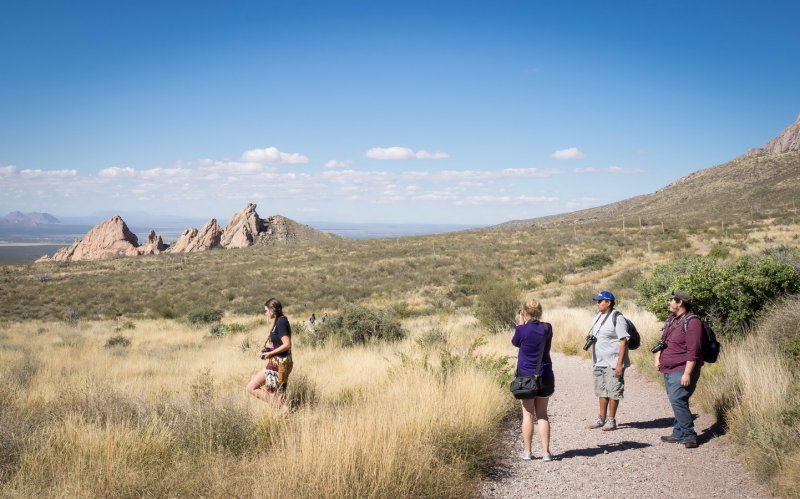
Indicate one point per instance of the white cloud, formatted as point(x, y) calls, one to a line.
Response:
point(403, 153)
point(586, 170)
point(423, 154)
point(48, 173)
point(337, 164)
point(529, 172)
point(582, 202)
point(390, 153)
point(513, 200)
point(234, 167)
point(571, 153)
point(618, 170)
point(7, 170)
point(271, 155)
point(117, 171)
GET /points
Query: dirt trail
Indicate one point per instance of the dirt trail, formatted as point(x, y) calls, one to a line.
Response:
point(628, 462)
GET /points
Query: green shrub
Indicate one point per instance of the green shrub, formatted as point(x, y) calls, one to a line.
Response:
point(719, 252)
point(358, 325)
point(729, 295)
point(627, 279)
point(235, 328)
point(217, 330)
point(118, 341)
point(204, 316)
point(595, 261)
point(496, 306)
point(780, 326)
point(166, 312)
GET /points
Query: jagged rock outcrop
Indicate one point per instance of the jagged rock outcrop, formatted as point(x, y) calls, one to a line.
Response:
point(281, 230)
point(193, 240)
point(243, 228)
point(154, 245)
point(788, 140)
point(110, 239)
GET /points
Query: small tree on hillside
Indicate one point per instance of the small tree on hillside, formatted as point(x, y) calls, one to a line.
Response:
point(496, 306)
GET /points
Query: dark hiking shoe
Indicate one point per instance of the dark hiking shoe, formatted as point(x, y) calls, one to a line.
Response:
point(670, 439)
point(690, 443)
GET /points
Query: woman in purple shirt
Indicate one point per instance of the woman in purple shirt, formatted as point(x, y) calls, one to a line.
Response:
point(529, 337)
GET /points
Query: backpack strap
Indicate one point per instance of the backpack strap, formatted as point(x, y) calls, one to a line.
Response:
point(548, 331)
point(686, 322)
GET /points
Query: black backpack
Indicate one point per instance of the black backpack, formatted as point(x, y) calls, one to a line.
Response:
point(635, 339)
point(709, 346)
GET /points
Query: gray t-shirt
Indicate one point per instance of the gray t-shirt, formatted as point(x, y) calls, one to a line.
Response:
point(605, 351)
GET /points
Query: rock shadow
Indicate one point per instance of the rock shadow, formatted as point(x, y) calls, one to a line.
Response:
point(602, 449)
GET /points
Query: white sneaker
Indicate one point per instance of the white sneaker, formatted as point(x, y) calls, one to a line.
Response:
point(525, 455)
point(547, 456)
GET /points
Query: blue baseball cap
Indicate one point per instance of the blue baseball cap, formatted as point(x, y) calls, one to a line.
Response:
point(604, 295)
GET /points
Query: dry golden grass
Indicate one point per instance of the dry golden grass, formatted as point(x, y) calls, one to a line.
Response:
point(756, 388)
point(168, 415)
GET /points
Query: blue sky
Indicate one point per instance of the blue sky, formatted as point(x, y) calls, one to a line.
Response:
point(405, 112)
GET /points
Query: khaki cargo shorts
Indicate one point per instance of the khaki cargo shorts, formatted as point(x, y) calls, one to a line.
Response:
point(606, 385)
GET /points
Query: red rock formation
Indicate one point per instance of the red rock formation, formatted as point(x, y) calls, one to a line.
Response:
point(193, 240)
point(110, 239)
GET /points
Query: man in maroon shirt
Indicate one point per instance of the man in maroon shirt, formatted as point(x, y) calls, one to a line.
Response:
point(680, 361)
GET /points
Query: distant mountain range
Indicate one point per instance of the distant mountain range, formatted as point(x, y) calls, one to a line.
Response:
point(19, 219)
point(763, 179)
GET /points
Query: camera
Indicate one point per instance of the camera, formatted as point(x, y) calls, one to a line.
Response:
point(659, 346)
point(590, 340)
point(264, 352)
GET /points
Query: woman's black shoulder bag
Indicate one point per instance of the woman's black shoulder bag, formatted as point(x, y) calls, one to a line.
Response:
point(527, 387)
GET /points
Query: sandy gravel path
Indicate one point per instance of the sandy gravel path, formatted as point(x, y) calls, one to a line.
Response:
point(628, 462)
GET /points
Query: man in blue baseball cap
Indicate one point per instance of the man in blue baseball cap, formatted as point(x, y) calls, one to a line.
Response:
point(609, 342)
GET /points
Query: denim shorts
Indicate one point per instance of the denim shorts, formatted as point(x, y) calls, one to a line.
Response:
point(606, 385)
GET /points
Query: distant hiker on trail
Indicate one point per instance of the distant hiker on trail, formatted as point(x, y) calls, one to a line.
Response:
point(678, 357)
point(609, 342)
point(271, 382)
point(312, 320)
point(533, 338)
point(324, 317)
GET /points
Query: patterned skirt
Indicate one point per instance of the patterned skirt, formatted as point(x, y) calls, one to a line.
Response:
point(277, 373)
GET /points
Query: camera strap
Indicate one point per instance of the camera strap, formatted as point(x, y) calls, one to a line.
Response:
point(601, 324)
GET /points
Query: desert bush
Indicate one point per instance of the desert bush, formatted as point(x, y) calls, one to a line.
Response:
point(358, 325)
point(789, 255)
point(729, 295)
point(627, 279)
point(779, 325)
point(71, 317)
point(166, 312)
point(595, 261)
point(217, 330)
point(236, 328)
point(719, 252)
point(204, 316)
point(118, 341)
point(581, 297)
point(497, 305)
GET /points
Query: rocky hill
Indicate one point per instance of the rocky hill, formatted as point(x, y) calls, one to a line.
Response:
point(113, 239)
point(765, 179)
point(34, 219)
point(787, 141)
